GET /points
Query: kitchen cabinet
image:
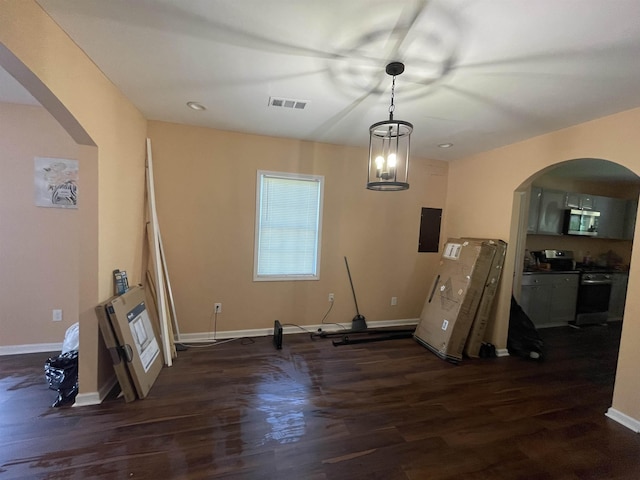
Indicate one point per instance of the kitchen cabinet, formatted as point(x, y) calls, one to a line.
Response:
point(611, 223)
point(549, 299)
point(535, 298)
point(618, 296)
point(547, 209)
point(534, 209)
point(551, 216)
point(581, 201)
point(630, 219)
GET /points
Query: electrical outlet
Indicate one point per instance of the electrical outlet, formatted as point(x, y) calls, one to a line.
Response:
point(394, 300)
point(56, 315)
point(217, 307)
point(331, 297)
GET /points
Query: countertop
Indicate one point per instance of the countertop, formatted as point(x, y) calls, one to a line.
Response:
point(550, 272)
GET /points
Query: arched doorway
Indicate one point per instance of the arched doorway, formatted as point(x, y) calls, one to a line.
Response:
point(599, 178)
point(79, 270)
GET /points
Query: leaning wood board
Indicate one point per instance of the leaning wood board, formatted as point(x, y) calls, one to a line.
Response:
point(133, 328)
point(167, 339)
point(117, 351)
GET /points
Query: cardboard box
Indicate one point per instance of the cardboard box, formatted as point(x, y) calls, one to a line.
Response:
point(117, 352)
point(481, 320)
point(135, 334)
point(453, 300)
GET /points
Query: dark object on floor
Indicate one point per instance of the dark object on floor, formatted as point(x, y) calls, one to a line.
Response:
point(523, 339)
point(386, 335)
point(61, 373)
point(487, 350)
point(277, 335)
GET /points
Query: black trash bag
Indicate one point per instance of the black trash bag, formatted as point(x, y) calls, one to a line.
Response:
point(523, 339)
point(61, 373)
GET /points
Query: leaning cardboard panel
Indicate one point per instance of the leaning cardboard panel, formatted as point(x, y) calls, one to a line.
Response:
point(131, 322)
point(481, 320)
point(117, 351)
point(453, 300)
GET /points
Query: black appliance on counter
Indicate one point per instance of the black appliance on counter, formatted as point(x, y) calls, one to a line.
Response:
point(594, 287)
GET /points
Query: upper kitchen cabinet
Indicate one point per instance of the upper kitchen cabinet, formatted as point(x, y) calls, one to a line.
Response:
point(534, 209)
point(551, 215)
point(612, 217)
point(630, 222)
point(547, 209)
point(581, 201)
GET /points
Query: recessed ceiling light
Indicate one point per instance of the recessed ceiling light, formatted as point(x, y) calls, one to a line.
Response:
point(196, 106)
point(445, 145)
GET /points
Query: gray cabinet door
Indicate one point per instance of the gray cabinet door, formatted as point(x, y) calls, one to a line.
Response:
point(618, 296)
point(612, 217)
point(535, 301)
point(564, 295)
point(534, 209)
point(552, 207)
point(630, 219)
point(588, 202)
point(582, 201)
point(549, 299)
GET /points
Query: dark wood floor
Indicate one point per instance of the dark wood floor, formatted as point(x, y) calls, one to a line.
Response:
point(389, 410)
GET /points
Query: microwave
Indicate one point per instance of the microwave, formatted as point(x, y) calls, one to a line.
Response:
point(581, 222)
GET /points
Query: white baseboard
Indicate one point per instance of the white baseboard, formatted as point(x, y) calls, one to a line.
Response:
point(30, 348)
point(625, 420)
point(502, 352)
point(95, 398)
point(287, 329)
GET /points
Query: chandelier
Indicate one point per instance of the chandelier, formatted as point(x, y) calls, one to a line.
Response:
point(389, 146)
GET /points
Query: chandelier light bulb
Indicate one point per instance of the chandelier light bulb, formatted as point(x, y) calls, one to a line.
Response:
point(391, 160)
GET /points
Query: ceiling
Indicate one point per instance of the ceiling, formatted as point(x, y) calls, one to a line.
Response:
point(479, 74)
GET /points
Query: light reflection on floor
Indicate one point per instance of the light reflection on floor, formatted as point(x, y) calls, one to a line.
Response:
point(285, 415)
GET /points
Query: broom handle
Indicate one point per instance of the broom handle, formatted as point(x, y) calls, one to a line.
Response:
point(351, 283)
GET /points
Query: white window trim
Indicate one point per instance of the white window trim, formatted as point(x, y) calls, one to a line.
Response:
point(295, 176)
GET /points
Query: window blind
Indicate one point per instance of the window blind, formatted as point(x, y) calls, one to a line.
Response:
point(288, 226)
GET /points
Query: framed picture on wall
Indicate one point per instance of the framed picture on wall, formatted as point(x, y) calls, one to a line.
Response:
point(56, 182)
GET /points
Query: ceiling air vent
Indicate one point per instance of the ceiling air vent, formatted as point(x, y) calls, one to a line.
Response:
point(288, 103)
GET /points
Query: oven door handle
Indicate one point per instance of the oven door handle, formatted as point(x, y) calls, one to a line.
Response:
point(596, 282)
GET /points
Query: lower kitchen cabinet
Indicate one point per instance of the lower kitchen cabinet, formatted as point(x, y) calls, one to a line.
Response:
point(618, 296)
point(549, 299)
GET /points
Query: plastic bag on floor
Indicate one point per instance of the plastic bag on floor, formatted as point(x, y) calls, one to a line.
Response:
point(61, 373)
point(523, 339)
point(71, 338)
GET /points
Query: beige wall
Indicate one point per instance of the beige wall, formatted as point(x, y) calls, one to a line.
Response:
point(206, 194)
point(39, 246)
point(80, 97)
point(480, 200)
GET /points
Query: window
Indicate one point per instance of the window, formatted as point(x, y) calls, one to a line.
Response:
point(288, 226)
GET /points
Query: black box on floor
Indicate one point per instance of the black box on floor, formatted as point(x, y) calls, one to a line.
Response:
point(277, 335)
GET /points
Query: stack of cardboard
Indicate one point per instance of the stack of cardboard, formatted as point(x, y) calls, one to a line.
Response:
point(457, 310)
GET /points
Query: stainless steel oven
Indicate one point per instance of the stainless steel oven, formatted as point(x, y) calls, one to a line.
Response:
point(593, 298)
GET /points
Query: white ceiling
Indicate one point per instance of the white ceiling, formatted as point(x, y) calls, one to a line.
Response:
point(479, 73)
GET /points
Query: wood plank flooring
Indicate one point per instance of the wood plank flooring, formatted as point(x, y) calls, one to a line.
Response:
point(388, 410)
